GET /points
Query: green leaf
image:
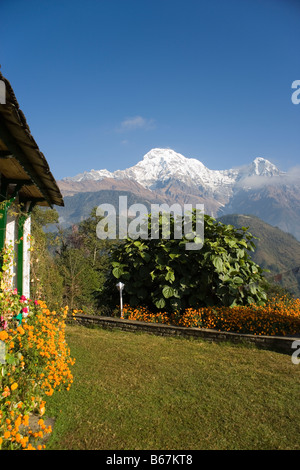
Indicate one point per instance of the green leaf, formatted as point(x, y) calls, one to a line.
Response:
point(146, 256)
point(160, 303)
point(230, 242)
point(174, 255)
point(217, 262)
point(117, 272)
point(170, 276)
point(168, 292)
point(115, 264)
point(253, 289)
point(238, 280)
point(10, 359)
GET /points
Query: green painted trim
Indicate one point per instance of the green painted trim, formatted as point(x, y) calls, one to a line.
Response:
point(4, 206)
point(3, 221)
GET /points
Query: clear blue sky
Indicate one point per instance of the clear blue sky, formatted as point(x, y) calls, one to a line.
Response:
point(102, 82)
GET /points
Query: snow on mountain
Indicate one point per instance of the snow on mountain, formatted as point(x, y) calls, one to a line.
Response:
point(161, 166)
point(95, 175)
point(164, 176)
point(262, 167)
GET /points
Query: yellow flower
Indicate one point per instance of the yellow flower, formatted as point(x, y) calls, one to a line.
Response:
point(14, 386)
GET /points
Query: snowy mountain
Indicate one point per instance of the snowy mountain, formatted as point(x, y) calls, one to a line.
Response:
point(159, 166)
point(262, 167)
point(163, 175)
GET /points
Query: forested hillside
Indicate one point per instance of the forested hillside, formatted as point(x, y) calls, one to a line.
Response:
point(276, 251)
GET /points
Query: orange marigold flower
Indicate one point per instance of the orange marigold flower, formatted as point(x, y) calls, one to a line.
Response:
point(30, 447)
point(26, 420)
point(6, 392)
point(3, 335)
point(20, 330)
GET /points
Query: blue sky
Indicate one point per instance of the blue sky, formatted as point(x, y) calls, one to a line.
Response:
point(102, 82)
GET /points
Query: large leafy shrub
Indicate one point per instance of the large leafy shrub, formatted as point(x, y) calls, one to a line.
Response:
point(162, 274)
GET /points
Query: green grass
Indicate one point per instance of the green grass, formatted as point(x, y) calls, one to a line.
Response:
point(139, 392)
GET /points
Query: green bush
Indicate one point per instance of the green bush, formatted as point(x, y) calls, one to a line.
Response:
point(162, 274)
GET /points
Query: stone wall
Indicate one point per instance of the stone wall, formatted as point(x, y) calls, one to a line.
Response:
point(276, 343)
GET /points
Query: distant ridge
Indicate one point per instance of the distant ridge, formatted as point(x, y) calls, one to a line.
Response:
point(275, 250)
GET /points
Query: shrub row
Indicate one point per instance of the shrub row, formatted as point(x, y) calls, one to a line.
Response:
point(279, 316)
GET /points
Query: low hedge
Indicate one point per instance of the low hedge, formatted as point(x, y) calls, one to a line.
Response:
point(279, 316)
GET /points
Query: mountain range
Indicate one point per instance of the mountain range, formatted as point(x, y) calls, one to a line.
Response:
point(165, 176)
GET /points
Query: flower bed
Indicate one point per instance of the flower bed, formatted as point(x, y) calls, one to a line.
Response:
point(280, 316)
point(37, 361)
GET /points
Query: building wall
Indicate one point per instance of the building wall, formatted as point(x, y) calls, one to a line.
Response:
point(11, 239)
point(26, 258)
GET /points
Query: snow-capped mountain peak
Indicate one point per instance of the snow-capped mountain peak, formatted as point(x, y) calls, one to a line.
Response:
point(262, 167)
point(161, 166)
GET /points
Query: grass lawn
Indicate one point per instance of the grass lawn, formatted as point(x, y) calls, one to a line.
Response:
point(137, 392)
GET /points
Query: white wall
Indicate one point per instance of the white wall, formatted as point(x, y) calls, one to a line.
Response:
point(10, 239)
point(26, 257)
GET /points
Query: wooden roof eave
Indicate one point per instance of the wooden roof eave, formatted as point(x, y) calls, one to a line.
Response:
point(15, 133)
point(16, 150)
